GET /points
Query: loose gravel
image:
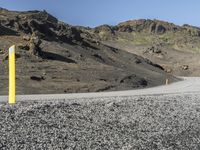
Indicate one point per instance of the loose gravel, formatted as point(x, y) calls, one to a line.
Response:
point(136, 123)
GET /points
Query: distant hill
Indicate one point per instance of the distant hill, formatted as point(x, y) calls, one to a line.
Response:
point(54, 57)
point(175, 48)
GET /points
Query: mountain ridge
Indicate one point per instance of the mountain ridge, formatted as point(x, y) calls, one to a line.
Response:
point(55, 57)
point(175, 48)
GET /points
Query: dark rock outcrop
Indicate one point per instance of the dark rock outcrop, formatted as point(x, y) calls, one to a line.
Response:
point(43, 24)
point(153, 26)
point(6, 31)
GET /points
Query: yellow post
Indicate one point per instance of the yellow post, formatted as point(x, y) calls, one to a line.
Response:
point(12, 82)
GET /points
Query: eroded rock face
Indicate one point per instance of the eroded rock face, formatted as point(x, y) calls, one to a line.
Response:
point(104, 28)
point(45, 25)
point(104, 31)
point(153, 26)
point(68, 33)
point(142, 25)
point(193, 31)
point(157, 28)
point(34, 45)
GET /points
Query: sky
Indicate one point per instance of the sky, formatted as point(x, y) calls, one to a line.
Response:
point(97, 12)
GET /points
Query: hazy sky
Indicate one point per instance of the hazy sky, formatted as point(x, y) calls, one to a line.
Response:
point(95, 12)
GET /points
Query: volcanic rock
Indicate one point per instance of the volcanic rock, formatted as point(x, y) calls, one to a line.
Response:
point(74, 59)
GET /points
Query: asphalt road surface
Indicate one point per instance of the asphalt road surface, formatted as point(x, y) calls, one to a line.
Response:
point(188, 85)
point(160, 118)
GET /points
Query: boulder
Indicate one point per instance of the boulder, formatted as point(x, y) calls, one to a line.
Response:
point(185, 67)
point(34, 45)
point(154, 49)
point(26, 38)
point(37, 78)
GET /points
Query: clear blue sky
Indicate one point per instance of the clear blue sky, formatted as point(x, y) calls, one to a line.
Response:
point(95, 12)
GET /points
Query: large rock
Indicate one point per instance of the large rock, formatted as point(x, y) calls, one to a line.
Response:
point(34, 45)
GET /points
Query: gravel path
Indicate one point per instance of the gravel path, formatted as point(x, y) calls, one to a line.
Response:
point(134, 122)
point(188, 85)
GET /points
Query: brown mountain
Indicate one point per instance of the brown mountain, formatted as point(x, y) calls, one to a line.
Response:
point(175, 48)
point(54, 57)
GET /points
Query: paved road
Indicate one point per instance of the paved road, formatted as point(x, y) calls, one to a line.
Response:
point(188, 85)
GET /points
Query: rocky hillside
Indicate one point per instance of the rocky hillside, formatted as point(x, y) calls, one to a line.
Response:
point(153, 27)
point(54, 57)
point(175, 48)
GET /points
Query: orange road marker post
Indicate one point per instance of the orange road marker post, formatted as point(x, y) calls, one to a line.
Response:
point(12, 79)
point(167, 82)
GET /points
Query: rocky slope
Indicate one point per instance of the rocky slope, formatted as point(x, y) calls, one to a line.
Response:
point(175, 48)
point(54, 57)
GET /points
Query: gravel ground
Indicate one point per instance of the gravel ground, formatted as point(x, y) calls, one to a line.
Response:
point(137, 123)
